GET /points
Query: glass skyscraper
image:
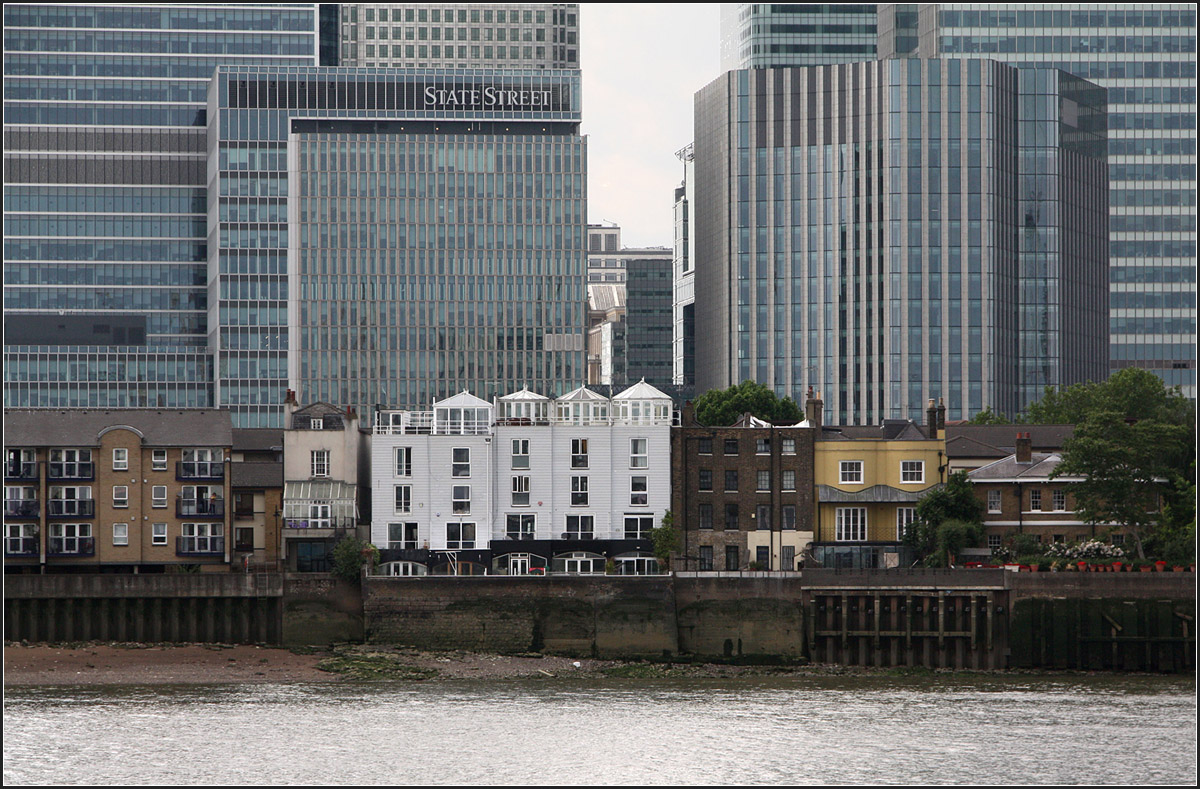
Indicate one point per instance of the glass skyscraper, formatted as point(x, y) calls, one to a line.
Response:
point(892, 231)
point(389, 237)
point(105, 270)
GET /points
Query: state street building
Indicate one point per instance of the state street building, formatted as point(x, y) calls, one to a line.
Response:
point(394, 236)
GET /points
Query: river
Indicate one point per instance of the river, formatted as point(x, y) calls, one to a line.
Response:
point(931, 729)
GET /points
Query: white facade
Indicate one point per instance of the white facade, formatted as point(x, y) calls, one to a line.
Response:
point(579, 467)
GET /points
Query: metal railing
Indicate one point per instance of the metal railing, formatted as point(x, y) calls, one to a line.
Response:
point(214, 507)
point(199, 546)
point(71, 546)
point(20, 471)
point(21, 546)
point(22, 508)
point(199, 469)
point(66, 508)
point(71, 470)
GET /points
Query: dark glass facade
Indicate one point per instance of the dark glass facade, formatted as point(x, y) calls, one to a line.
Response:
point(437, 235)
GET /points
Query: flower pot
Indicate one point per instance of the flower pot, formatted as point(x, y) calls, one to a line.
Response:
point(1033, 568)
point(1161, 566)
point(1117, 566)
point(1179, 569)
point(1146, 569)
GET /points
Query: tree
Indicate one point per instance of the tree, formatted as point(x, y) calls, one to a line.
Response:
point(349, 557)
point(954, 501)
point(989, 417)
point(1128, 469)
point(722, 407)
point(1132, 392)
point(665, 538)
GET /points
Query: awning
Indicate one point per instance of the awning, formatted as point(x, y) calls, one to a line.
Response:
point(876, 494)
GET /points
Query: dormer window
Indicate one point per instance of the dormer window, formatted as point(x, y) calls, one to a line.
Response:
point(316, 424)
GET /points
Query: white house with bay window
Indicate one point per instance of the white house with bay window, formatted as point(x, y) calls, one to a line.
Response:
point(556, 482)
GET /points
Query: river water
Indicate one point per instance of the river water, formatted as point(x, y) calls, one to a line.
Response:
point(939, 729)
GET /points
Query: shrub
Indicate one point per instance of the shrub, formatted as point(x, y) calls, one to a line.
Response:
point(351, 555)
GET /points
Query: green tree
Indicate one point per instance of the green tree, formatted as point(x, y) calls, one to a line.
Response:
point(350, 555)
point(951, 537)
point(954, 501)
point(1132, 393)
point(665, 538)
point(1128, 469)
point(722, 407)
point(989, 417)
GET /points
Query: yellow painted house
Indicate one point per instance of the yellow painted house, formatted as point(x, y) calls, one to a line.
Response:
point(868, 481)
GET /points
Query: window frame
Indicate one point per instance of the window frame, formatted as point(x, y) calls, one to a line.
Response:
point(155, 537)
point(461, 543)
point(848, 529)
point(519, 444)
point(121, 502)
point(848, 469)
point(520, 487)
point(155, 499)
point(579, 533)
point(460, 505)
point(319, 458)
point(526, 526)
point(789, 446)
point(705, 516)
point(402, 504)
point(639, 459)
point(121, 533)
point(639, 496)
point(704, 482)
point(579, 453)
point(643, 525)
point(123, 454)
point(158, 463)
point(579, 491)
point(731, 475)
point(919, 472)
point(403, 461)
point(735, 446)
point(460, 469)
point(762, 480)
point(1035, 500)
point(1058, 500)
point(905, 517)
point(995, 501)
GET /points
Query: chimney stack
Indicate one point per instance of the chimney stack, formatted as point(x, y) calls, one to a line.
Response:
point(1024, 448)
point(941, 414)
point(813, 408)
point(931, 417)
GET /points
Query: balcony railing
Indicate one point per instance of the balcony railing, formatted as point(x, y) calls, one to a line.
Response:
point(214, 507)
point(71, 508)
point(318, 523)
point(71, 470)
point(21, 546)
point(397, 423)
point(71, 546)
point(22, 508)
point(20, 471)
point(199, 469)
point(199, 546)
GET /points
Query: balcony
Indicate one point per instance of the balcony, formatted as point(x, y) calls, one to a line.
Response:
point(200, 469)
point(71, 508)
point(64, 471)
point(26, 546)
point(15, 470)
point(200, 546)
point(318, 523)
point(22, 508)
point(187, 507)
point(71, 546)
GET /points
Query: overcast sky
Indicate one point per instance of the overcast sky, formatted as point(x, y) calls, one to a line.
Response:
point(642, 64)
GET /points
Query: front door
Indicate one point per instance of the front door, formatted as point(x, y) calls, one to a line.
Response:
point(518, 564)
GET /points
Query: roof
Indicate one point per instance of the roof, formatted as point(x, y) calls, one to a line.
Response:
point(257, 439)
point(524, 394)
point(641, 391)
point(1039, 468)
point(1000, 440)
point(750, 420)
point(890, 430)
point(463, 399)
point(603, 297)
point(584, 394)
point(256, 475)
point(83, 427)
point(875, 493)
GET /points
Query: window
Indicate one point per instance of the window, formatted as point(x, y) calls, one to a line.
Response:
point(1035, 500)
point(402, 536)
point(158, 495)
point(579, 453)
point(705, 446)
point(993, 500)
point(158, 534)
point(1060, 500)
point(731, 557)
point(520, 491)
point(706, 520)
point(70, 501)
point(403, 498)
point(579, 527)
point(764, 481)
point(762, 446)
point(20, 464)
point(320, 514)
point(762, 517)
point(461, 466)
point(202, 538)
point(120, 534)
point(120, 460)
point(243, 539)
point(158, 460)
point(731, 446)
point(904, 518)
point(789, 446)
point(202, 464)
point(120, 495)
point(731, 481)
point(994, 541)
point(461, 496)
point(320, 463)
point(520, 453)
point(637, 453)
point(851, 472)
point(71, 463)
point(705, 479)
point(706, 558)
point(579, 491)
point(762, 555)
point(851, 524)
point(521, 526)
point(638, 527)
point(460, 536)
point(731, 516)
point(403, 461)
point(316, 424)
point(638, 494)
point(789, 517)
point(912, 471)
point(1118, 539)
point(789, 480)
point(68, 538)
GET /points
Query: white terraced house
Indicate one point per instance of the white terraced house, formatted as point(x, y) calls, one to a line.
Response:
point(522, 485)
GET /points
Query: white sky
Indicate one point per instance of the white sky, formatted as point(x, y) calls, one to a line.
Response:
point(642, 64)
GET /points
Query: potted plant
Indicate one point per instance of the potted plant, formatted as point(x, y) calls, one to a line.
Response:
point(1160, 566)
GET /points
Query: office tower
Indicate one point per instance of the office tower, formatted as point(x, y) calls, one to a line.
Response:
point(794, 34)
point(105, 260)
point(437, 223)
point(1145, 55)
point(683, 338)
point(461, 35)
point(607, 258)
point(858, 229)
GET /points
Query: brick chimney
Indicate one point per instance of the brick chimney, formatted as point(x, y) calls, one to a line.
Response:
point(290, 404)
point(941, 414)
point(814, 407)
point(1024, 448)
point(931, 417)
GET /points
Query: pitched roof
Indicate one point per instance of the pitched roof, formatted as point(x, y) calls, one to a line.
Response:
point(1040, 466)
point(82, 427)
point(585, 394)
point(890, 430)
point(256, 475)
point(641, 391)
point(463, 399)
point(524, 394)
point(257, 439)
point(1001, 439)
